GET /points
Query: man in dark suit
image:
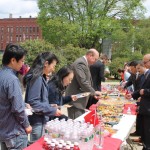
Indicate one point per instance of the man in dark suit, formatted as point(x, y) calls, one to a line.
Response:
point(97, 72)
point(135, 80)
point(144, 108)
point(82, 82)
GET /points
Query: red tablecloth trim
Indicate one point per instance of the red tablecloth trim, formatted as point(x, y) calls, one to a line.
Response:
point(110, 144)
point(132, 107)
point(36, 146)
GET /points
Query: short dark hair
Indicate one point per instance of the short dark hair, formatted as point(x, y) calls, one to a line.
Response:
point(120, 70)
point(133, 63)
point(104, 56)
point(13, 51)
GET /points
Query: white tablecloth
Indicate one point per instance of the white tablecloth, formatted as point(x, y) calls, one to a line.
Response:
point(123, 128)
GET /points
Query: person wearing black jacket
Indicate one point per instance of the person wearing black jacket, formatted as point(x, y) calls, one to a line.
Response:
point(144, 94)
point(135, 80)
point(56, 89)
point(98, 75)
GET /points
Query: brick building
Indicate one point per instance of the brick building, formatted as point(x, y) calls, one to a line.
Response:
point(15, 30)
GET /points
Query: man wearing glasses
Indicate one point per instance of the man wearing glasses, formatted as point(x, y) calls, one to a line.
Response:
point(146, 61)
point(144, 109)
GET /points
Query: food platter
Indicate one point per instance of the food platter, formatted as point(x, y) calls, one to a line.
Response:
point(85, 94)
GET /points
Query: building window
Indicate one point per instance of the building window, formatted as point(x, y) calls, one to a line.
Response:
point(24, 36)
point(30, 29)
point(33, 29)
point(27, 29)
point(20, 29)
point(20, 37)
point(11, 30)
point(37, 29)
point(2, 37)
point(17, 39)
point(23, 29)
point(8, 29)
point(2, 29)
point(7, 38)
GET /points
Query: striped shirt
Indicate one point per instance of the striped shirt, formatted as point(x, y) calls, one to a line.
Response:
point(13, 119)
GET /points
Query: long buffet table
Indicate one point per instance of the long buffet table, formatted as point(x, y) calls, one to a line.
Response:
point(114, 142)
point(123, 128)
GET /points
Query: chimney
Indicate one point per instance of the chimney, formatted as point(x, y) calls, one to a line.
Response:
point(10, 15)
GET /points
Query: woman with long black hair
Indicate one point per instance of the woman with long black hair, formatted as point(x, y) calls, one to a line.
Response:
point(37, 94)
point(57, 86)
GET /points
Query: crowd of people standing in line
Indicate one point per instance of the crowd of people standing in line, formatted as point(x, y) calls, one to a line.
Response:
point(46, 96)
point(139, 83)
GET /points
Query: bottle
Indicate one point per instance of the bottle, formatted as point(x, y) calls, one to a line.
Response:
point(99, 136)
point(76, 146)
point(67, 147)
point(64, 146)
point(68, 142)
point(52, 146)
point(60, 147)
point(71, 146)
point(129, 110)
point(56, 145)
point(61, 141)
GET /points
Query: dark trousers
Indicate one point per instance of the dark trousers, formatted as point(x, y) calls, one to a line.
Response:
point(74, 112)
point(146, 132)
point(91, 101)
point(59, 117)
point(139, 124)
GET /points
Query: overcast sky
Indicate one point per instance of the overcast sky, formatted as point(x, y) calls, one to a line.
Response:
point(26, 8)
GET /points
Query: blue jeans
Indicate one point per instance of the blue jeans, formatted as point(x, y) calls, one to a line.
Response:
point(18, 142)
point(37, 132)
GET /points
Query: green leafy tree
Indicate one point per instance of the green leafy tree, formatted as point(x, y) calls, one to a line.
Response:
point(66, 54)
point(34, 47)
point(142, 36)
point(84, 22)
point(118, 60)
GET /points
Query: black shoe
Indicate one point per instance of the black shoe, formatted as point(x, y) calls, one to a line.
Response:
point(133, 134)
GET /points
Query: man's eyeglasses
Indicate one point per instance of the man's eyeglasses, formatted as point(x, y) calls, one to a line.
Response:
point(145, 62)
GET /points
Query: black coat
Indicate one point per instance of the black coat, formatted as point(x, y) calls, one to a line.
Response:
point(97, 73)
point(132, 80)
point(145, 99)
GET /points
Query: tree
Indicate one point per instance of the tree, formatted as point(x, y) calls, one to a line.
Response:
point(84, 22)
point(34, 47)
point(66, 54)
point(142, 36)
point(118, 60)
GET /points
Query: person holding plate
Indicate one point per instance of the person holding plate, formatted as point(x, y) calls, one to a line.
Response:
point(82, 82)
point(56, 89)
